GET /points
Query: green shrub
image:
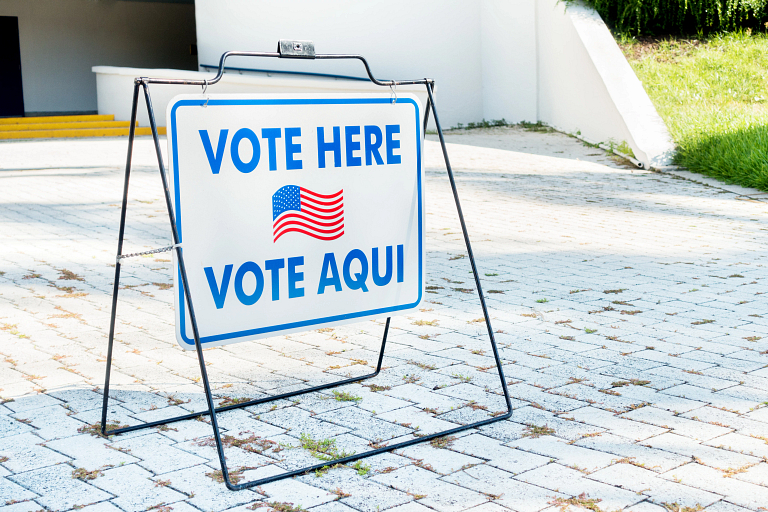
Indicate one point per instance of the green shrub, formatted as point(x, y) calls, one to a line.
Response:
point(681, 17)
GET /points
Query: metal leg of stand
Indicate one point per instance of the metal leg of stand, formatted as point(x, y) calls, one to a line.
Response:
point(212, 410)
point(469, 250)
point(116, 288)
point(187, 293)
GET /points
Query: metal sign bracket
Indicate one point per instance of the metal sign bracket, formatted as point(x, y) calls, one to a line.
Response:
point(296, 49)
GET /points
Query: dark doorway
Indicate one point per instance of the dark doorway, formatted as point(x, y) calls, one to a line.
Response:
point(11, 92)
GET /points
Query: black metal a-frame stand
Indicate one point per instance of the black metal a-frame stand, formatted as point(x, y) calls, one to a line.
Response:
point(286, 49)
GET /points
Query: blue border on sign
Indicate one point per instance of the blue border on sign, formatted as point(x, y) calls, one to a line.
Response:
point(305, 323)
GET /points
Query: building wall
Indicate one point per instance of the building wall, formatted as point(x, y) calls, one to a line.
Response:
point(61, 40)
point(520, 60)
point(573, 96)
point(509, 60)
point(480, 52)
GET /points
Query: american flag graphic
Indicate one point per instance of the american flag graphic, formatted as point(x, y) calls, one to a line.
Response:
point(299, 209)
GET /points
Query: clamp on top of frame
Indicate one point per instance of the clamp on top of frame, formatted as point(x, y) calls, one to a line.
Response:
point(296, 49)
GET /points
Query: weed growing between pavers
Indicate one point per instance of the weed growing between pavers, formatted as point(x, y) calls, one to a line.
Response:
point(228, 400)
point(375, 387)
point(361, 468)
point(95, 428)
point(443, 442)
point(423, 366)
point(252, 443)
point(582, 500)
point(675, 507)
point(463, 378)
point(324, 449)
point(537, 431)
point(634, 382)
point(345, 396)
point(472, 404)
point(341, 494)
point(234, 476)
point(85, 475)
point(277, 506)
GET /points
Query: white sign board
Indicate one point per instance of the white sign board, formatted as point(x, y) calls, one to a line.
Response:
point(295, 212)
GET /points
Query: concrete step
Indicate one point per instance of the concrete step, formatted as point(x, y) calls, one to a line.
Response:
point(64, 126)
point(77, 132)
point(54, 119)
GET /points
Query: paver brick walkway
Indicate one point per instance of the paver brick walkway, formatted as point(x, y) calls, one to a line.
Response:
point(629, 307)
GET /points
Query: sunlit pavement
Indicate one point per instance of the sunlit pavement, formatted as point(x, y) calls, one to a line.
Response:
point(628, 307)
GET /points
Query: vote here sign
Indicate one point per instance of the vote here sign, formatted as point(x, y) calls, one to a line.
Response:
point(295, 212)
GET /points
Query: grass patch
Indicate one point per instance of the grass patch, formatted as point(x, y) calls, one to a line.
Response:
point(713, 96)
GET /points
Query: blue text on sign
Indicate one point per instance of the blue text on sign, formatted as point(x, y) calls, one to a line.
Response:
point(330, 277)
point(360, 145)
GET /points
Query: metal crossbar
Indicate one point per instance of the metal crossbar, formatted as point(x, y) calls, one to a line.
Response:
point(143, 83)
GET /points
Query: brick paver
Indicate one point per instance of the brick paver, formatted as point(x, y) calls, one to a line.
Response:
point(628, 306)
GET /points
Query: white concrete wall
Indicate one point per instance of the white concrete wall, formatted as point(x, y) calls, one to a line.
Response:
point(508, 36)
point(480, 52)
point(61, 40)
point(586, 86)
point(521, 60)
